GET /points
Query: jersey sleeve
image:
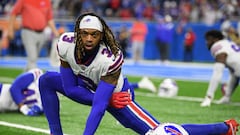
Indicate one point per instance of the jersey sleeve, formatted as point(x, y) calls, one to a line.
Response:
point(63, 44)
point(219, 47)
point(112, 64)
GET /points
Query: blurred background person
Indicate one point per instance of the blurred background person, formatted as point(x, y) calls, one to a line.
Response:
point(138, 33)
point(164, 36)
point(189, 40)
point(35, 16)
point(232, 35)
point(226, 55)
point(123, 38)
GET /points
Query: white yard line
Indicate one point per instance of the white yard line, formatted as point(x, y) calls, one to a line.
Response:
point(184, 98)
point(25, 127)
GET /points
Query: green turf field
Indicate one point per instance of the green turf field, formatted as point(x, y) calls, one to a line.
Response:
point(74, 115)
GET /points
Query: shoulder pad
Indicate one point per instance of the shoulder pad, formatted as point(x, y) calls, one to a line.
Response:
point(66, 40)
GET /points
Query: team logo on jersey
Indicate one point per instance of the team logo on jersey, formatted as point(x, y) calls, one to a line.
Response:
point(172, 130)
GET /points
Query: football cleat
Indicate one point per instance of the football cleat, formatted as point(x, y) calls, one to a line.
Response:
point(146, 83)
point(233, 127)
point(206, 102)
point(223, 100)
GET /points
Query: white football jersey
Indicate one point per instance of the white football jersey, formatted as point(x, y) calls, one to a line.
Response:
point(233, 54)
point(103, 64)
point(6, 101)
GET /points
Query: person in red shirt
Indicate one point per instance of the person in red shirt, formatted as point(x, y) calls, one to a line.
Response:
point(138, 33)
point(35, 16)
point(189, 40)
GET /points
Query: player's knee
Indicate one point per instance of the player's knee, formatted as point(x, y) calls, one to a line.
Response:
point(45, 79)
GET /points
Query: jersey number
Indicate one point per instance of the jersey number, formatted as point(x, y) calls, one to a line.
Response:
point(235, 47)
point(107, 52)
point(68, 39)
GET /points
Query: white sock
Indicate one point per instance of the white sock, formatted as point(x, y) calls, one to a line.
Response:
point(24, 109)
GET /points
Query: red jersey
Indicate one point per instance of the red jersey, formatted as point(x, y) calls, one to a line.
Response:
point(189, 38)
point(35, 13)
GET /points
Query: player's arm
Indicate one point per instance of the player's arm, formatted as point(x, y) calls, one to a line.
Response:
point(73, 89)
point(101, 100)
point(19, 84)
point(218, 69)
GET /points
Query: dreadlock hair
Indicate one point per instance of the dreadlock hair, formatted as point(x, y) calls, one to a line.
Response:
point(215, 34)
point(108, 37)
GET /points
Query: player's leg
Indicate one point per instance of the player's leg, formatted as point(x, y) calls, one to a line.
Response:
point(134, 117)
point(49, 84)
point(229, 127)
point(228, 89)
point(206, 129)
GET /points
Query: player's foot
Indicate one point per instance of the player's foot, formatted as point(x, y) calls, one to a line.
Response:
point(233, 127)
point(145, 83)
point(223, 100)
point(206, 102)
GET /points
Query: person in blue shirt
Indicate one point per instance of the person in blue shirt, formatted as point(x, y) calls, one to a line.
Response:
point(164, 37)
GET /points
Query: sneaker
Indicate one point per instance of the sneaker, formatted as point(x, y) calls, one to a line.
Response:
point(206, 102)
point(233, 127)
point(145, 83)
point(223, 100)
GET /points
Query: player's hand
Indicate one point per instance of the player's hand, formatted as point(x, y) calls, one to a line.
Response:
point(120, 99)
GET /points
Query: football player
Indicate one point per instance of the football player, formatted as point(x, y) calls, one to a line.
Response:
point(90, 74)
point(23, 94)
point(226, 54)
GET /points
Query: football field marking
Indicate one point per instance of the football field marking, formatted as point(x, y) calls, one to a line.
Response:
point(183, 98)
point(25, 127)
